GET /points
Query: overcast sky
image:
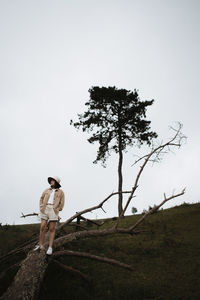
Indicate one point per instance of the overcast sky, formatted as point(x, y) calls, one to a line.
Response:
point(51, 53)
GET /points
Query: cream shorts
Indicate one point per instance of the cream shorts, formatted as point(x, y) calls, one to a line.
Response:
point(49, 213)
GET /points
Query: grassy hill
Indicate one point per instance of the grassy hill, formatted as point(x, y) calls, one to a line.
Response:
point(166, 259)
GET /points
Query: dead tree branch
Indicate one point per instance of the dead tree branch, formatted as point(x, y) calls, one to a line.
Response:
point(176, 140)
point(91, 221)
point(72, 270)
point(89, 209)
point(156, 207)
point(103, 232)
point(35, 214)
point(28, 215)
point(94, 257)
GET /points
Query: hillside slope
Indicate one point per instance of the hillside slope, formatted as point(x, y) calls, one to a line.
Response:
point(166, 259)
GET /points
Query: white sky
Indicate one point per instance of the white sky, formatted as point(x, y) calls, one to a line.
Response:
point(51, 53)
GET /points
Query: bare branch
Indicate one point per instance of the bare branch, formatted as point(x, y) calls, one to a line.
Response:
point(92, 256)
point(35, 214)
point(72, 270)
point(103, 232)
point(11, 268)
point(91, 221)
point(172, 142)
point(179, 138)
point(24, 247)
point(156, 207)
point(28, 215)
point(89, 209)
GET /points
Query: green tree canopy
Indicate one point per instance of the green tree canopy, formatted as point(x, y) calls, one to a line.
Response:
point(118, 116)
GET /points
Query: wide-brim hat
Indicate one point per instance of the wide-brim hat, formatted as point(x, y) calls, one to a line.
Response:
point(56, 178)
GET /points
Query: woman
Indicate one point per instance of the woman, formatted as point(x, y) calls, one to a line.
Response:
point(51, 202)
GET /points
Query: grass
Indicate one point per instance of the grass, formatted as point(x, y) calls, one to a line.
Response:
point(166, 259)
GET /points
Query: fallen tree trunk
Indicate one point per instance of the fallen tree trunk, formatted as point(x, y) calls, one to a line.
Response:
point(28, 279)
point(26, 283)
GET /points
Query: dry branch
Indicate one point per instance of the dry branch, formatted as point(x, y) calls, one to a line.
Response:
point(156, 207)
point(11, 268)
point(89, 209)
point(176, 140)
point(94, 257)
point(91, 221)
point(103, 232)
point(72, 270)
point(28, 215)
point(34, 214)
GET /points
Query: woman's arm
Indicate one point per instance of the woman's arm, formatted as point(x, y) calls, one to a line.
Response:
point(62, 201)
point(41, 198)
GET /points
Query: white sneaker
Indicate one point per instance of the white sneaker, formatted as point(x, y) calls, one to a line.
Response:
point(49, 251)
point(38, 247)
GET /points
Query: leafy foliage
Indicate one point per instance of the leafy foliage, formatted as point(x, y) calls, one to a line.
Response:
point(118, 117)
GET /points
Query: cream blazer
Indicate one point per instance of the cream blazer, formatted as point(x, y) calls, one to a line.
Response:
point(58, 201)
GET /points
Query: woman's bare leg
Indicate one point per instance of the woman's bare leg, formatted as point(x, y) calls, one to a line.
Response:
point(52, 225)
point(42, 231)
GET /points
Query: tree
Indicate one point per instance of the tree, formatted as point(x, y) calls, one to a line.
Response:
point(119, 118)
point(30, 272)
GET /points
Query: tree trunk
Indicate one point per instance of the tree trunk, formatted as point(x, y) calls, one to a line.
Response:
point(120, 208)
point(26, 283)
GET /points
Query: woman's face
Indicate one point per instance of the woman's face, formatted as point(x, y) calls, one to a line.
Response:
point(52, 182)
